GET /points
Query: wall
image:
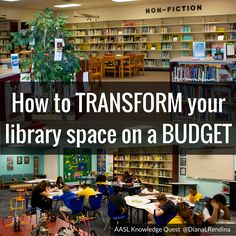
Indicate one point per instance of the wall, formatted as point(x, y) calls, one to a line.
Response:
point(209, 7)
point(20, 168)
point(13, 13)
point(137, 11)
point(60, 162)
point(206, 187)
point(94, 163)
point(51, 166)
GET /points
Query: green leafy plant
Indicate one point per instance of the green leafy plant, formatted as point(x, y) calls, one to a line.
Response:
point(44, 28)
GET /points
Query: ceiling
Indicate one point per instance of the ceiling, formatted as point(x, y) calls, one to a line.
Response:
point(86, 4)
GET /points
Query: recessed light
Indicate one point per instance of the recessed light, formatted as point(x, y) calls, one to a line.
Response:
point(125, 0)
point(68, 5)
point(10, 0)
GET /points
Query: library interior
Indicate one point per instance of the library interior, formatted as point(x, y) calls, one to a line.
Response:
point(76, 76)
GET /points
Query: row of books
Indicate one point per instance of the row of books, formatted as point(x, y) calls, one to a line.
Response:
point(225, 115)
point(140, 157)
point(196, 73)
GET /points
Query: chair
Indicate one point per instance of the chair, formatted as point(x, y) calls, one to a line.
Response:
point(16, 207)
point(110, 190)
point(102, 188)
point(95, 70)
point(139, 63)
point(77, 205)
point(129, 65)
point(29, 209)
point(111, 209)
point(95, 204)
point(110, 65)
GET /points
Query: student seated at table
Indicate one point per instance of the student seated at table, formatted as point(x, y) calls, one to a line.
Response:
point(86, 191)
point(216, 208)
point(136, 179)
point(39, 196)
point(65, 197)
point(183, 216)
point(101, 179)
point(115, 181)
point(149, 191)
point(194, 195)
point(165, 209)
point(59, 183)
point(118, 201)
point(127, 179)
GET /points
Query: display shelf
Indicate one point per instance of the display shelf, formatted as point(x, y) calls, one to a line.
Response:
point(204, 78)
point(151, 35)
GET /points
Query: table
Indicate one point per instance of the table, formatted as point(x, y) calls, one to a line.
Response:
point(131, 189)
point(73, 184)
point(137, 202)
point(59, 193)
point(175, 189)
point(5, 61)
point(36, 181)
point(120, 60)
point(84, 178)
point(144, 203)
point(8, 73)
point(30, 221)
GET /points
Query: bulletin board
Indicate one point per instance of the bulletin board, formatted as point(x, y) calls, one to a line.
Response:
point(77, 163)
point(101, 160)
point(211, 166)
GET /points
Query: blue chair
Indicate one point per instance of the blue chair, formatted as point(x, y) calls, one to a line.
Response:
point(77, 205)
point(111, 210)
point(102, 188)
point(29, 210)
point(110, 190)
point(95, 204)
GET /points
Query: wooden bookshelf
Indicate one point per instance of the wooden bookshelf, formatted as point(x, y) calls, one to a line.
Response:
point(152, 165)
point(6, 27)
point(171, 37)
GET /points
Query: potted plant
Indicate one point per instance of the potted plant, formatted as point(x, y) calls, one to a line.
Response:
point(40, 38)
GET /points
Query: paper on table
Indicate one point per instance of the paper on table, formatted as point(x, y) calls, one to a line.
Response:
point(150, 207)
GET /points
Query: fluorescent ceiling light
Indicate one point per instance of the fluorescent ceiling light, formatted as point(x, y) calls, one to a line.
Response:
point(68, 5)
point(10, 0)
point(125, 0)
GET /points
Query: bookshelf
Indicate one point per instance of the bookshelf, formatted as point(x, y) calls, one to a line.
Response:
point(158, 39)
point(204, 78)
point(6, 27)
point(151, 165)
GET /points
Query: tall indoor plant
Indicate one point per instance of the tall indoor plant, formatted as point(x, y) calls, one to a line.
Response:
point(40, 38)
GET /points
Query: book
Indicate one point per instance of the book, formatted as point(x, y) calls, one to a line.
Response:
point(230, 49)
point(218, 51)
point(199, 50)
point(198, 208)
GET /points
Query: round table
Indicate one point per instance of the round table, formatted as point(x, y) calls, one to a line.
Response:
point(137, 202)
